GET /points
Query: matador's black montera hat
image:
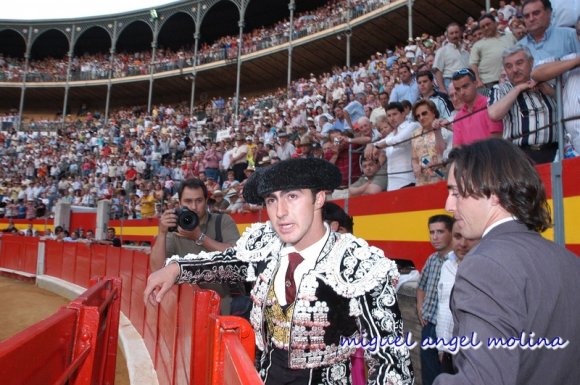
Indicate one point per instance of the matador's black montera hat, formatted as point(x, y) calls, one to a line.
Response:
point(292, 174)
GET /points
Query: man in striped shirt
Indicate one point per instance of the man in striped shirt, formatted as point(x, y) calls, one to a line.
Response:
point(526, 107)
point(428, 92)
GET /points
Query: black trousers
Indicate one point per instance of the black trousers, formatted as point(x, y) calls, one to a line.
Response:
point(447, 363)
point(541, 154)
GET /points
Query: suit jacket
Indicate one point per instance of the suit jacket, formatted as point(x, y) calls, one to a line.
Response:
point(513, 284)
point(351, 290)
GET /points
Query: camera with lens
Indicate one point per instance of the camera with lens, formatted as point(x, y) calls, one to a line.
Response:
point(186, 219)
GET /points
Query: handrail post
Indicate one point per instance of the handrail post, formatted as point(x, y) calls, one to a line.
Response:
point(556, 171)
point(349, 177)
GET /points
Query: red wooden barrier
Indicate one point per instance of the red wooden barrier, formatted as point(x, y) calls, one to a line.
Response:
point(10, 252)
point(101, 308)
point(83, 264)
point(151, 331)
point(99, 261)
point(126, 274)
point(138, 283)
point(184, 347)
point(53, 257)
point(30, 245)
point(181, 335)
point(233, 349)
point(113, 261)
point(19, 253)
point(76, 345)
point(2, 258)
point(69, 252)
point(166, 337)
point(238, 368)
point(49, 342)
point(196, 307)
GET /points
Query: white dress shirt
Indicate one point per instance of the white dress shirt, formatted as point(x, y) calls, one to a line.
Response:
point(310, 255)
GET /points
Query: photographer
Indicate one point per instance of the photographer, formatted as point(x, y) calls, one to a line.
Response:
point(215, 232)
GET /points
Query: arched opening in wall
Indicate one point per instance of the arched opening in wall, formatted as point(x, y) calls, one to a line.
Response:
point(219, 33)
point(12, 44)
point(133, 51)
point(51, 44)
point(94, 41)
point(176, 34)
point(12, 49)
point(268, 13)
point(92, 55)
point(135, 41)
point(219, 27)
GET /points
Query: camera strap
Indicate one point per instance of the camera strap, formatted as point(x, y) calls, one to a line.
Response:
point(218, 228)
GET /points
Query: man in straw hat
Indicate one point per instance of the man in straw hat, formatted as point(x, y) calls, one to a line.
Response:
point(318, 293)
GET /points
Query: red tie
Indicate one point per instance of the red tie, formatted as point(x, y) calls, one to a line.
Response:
point(294, 259)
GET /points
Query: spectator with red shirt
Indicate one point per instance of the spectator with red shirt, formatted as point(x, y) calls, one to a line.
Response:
point(337, 153)
point(131, 173)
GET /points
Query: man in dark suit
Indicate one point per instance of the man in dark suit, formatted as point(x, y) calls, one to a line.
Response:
point(518, 291)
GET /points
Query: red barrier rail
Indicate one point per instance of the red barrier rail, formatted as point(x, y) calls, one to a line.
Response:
point(184, 343)
point(77, 345)
point(233, 352)
point(19, 253)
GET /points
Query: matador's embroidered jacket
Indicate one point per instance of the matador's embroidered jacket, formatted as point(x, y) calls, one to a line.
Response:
point(348, 295)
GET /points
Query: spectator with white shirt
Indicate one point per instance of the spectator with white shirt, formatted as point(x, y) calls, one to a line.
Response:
point(451, 57)
point(397, 147)
point(444, 326)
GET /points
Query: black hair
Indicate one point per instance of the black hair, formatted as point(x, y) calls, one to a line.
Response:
point(395, 106)
point(498, 167)
point(192, 183)
point(442, 218)
point(429, 74)
point(487, 16)
point(406, 104)
point(546, 3)
point(430, 105)
point(408, 67)
point(453, 24)
point(333, 212)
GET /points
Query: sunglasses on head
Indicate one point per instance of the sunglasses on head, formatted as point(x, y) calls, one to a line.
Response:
point(463, 72)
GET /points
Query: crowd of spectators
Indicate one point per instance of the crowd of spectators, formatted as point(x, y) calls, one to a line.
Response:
point(63, 235)
point(386, 123)
point(98, 66)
